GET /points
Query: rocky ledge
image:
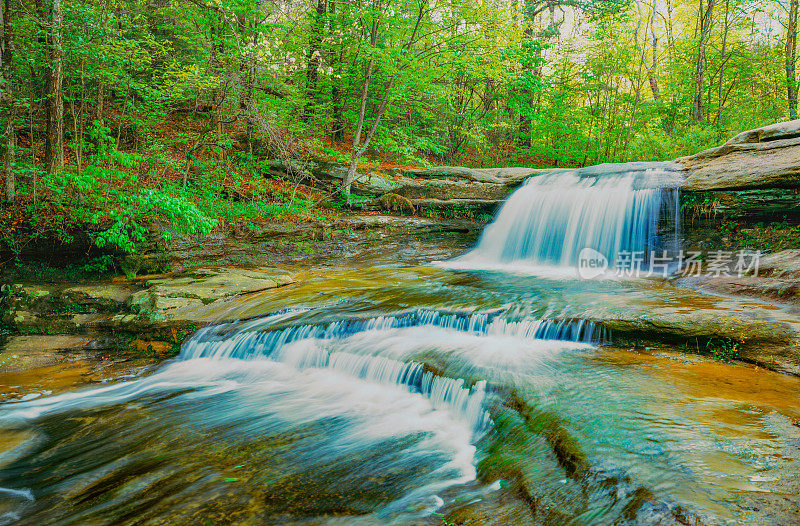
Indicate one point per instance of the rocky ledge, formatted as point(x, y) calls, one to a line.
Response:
point(767, 157)
point(149, 315)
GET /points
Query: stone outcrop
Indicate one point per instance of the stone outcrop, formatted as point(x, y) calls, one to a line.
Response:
point(148, 308)
point(503, 176)
point(767, 157)
point(442, 188)
point(778, 279)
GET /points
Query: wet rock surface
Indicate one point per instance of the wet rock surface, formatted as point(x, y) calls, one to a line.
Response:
point(777, 279)
point(545, 475)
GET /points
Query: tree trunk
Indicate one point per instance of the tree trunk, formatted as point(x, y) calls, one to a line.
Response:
point(101, 85)
point(251, 80)
point(362, 110)
point(791, 60)
point(215, 62)
point(525, 124)
point(314, 58)
point(357, 148)
point(651, 71)
point(248, 68)
point(724, 51)
point(10, 157)
point(337, 126)
point(54, 142)
point(7, 101)
point(706, 17)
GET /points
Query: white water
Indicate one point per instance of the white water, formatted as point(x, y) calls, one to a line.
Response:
point(251, 339)
point(359, 370)
point(548, 221)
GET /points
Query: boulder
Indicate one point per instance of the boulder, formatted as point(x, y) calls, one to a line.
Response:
point(198, 297)
point(332, 174)
point(670, 323)
point(767, 157)
point(773, 132)
point(446, 189)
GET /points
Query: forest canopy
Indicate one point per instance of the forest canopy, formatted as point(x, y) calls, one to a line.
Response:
point(115, 109)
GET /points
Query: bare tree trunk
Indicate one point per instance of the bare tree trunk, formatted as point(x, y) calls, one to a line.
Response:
point(358, 148)
point(724, 51)
point(639, 82)
point(651, 70)
point(706, 18)
point(791, 60)
point(217, 91)
point(338, 125)
point(251, 80)
point(525, 124)
point(54, 142)
point(101, 84)
point(7, 101)
point(248, 67)
point(314, 58)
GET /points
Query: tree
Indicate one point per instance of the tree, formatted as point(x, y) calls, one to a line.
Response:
point(359, 146)
point(7, 101)
point(706, 18)
point(790, 59)
point(54, 142)
point(314, 55)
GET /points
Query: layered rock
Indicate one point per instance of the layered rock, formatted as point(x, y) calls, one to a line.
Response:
point(762, 158)
point(141, 313)
point(777, 279)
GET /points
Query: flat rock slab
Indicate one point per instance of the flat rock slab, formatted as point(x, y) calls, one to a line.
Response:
point(196, 297)
point(777, 131)
point(28, 352)
point(778, 279)
point(503, 176)
point(671, 322)
point(109, 292)
point(767, 157)
point(41, 365)
point(138, 305)
point(208, 285)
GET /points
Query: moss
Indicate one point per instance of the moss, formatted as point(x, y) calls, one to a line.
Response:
point(639, 497)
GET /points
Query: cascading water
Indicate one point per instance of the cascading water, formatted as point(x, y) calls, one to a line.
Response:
point(303, 346)
point(613, 208)
point(275, 375)
point(482, 392)
point(246, 340)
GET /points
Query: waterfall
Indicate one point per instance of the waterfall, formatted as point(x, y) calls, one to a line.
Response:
point(245, 341)
point(612, 208)
point(304, 347)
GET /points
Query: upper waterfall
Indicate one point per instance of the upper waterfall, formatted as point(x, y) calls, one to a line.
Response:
point(611, 208)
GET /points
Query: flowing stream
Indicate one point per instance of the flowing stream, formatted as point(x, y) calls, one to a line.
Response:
point(392, 394)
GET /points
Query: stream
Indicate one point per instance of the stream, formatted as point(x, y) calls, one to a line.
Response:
point(473, 390)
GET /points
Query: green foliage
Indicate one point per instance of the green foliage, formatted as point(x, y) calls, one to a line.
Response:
point(723, 348)
point(336, 155)
point(693, 200)
point(187, 98)
point(104, 194)
point(99, 265)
